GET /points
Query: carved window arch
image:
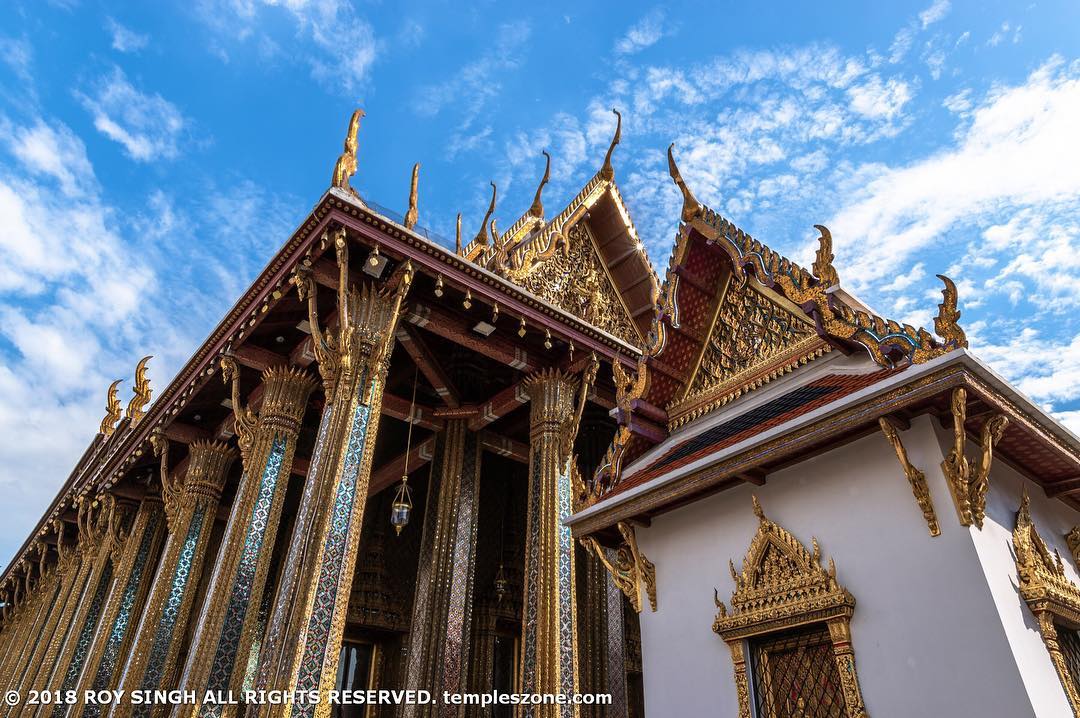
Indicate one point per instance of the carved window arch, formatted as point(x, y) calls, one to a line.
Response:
point(1052, 597)
point(796, 619)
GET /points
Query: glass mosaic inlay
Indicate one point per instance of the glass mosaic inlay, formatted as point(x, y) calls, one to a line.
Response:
point(110, 657)
point(163, 634)
point(86, 635)
point(566, 589)
point(333, 556)
point(532, 569)
point(236, 609)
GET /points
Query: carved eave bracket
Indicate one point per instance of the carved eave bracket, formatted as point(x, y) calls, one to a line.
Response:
point(1048, 592)
point(170, 490)
point(630, 569)
point(969, 484)
point(915, 477)
point(782, 585)
point(628, 389)
point(244, 418)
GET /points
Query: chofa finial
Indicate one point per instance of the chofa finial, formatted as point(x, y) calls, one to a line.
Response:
point(345, 167)
point(758, 511)
point(482, 236)
point(457, 241)
point(606, 170)
point(691, 208)
point(412, 215)
point(537, 209)
point(945, 323)
point(823, 267)
point(136, 408)
point(112, 410)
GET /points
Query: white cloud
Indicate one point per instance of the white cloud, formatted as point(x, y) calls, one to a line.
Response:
point(125, 39)
point(935, 12)
point(341, 46)
point(149, 127)
point(646, 32)
point(1020, 149)
point(879, 100)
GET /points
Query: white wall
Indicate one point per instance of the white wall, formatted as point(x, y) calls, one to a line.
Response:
point(1052, 519)
point(927, 636)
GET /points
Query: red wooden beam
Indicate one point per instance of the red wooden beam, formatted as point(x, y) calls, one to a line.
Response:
point(390, 472)
point(258, 358)
point(398, 408)
point(409, 338)
point(459, 331)
point(505, 446)
point(499, 406)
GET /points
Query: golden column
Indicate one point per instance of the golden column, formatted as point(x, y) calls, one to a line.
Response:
point(133, 578)
point(301, 646)
point(190, 510)
point(228, 622)
point(441, 635)
point(549, 651)
point(99, 533)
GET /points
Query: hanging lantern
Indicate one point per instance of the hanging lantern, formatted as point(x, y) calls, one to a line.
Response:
point(521, 328)
point(401, 509)
point(467, 302)
point(373, 258)
point(438, 286)
point(502, 586)
point(547, 338)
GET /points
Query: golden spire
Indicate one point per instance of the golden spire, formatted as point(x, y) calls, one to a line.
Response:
point(112, 410)
point(345, 167)
point(136, 408)
point(412, 215)
point(823, 266)
point(537, 209)
point(691, 208)
point(606, 170)
point(945, 323)
point(482, 235)
point(457, 243)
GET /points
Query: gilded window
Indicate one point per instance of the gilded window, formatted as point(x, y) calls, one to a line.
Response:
point(795, 618)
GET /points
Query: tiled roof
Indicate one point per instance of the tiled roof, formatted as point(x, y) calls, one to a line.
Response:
point(772, 413)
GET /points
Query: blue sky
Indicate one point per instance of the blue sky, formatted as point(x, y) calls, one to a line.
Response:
point(153, 156)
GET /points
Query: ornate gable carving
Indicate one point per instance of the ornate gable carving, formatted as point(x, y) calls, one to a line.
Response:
point(753, 339)
point(573, 278)
point(780, 581)
point(1048, 592)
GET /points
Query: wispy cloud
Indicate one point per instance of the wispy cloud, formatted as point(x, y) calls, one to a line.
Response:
point(125, 39)
point(148, 126)
point(646, 32)
point(906, 35)
point(343, 43)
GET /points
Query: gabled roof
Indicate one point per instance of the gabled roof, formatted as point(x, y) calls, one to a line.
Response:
point(587, 260)
point(733, 316)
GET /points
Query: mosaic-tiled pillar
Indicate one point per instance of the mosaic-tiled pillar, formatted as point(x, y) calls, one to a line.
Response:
point(309, 614)
point(441, 630)
point(614, 652)
point(549, 660)
point(134, 577)
point(33, 633)
point(26, 619)
point(190, 511)
point(229, 620)
point(100, 528)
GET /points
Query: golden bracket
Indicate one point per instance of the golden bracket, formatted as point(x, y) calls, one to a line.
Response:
point(969, 486)
point(630, 568)
point(916, 478)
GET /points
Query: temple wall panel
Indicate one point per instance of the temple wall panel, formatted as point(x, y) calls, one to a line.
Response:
point(994, 546)
point(915, 594)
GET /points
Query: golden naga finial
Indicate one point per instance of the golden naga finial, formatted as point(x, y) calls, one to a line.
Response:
point(457, 242)
point(482, 235)
point(112, 410)
point(345, 167)
point(136, 408)
point(494, 232)
point(606, 170)
point(823, 267)
point(945, 323)
point(412, 215)
point(537, 209)
point(691, 208)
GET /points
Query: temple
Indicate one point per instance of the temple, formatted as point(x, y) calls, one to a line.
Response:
point(526, 464)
